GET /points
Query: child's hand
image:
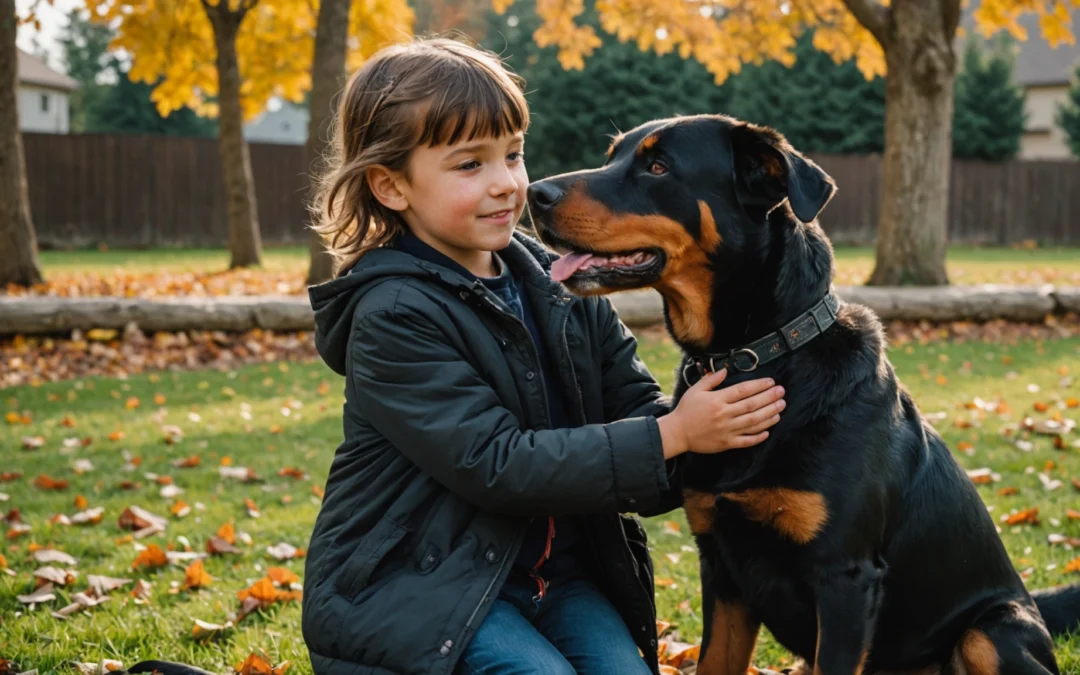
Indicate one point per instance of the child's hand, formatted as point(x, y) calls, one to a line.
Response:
point(708, 421)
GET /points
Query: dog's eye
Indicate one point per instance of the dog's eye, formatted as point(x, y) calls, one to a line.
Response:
point(657, 169)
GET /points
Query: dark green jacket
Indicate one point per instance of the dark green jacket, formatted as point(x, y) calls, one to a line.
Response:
point(447, 455)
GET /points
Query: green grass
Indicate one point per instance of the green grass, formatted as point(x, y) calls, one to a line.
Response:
point(146, 261)
point(307, 438)
point(966, 265)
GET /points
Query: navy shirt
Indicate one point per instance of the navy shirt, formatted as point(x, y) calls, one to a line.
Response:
point(508, 289)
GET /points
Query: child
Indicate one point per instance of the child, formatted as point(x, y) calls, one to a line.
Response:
point(495, 426)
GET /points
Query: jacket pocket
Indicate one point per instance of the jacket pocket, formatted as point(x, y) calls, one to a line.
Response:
point(357, 569)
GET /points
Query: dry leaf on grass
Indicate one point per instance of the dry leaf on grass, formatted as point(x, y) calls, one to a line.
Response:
point(81, 601)
point(49, 556)
point(52, 575)
point(44, 482)
point(150, 557)
point(1030, 516)
point(283, 551)
point(257, 665)
point(138, 518)
point(102, 585)
point(203, 630)
point(89, 516)
point(42, 594)
point(195, 576)
point(99, 668)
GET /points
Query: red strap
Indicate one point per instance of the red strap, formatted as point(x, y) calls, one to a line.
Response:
point(547, 544)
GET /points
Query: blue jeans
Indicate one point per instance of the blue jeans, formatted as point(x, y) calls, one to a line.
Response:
point(573, 630)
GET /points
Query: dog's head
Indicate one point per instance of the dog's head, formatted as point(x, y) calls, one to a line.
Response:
point(676, 200)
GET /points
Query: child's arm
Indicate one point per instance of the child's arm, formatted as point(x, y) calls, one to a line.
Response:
point(418, 391)
point(630, 391)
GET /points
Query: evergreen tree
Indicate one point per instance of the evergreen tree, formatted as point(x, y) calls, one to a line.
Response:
point(1068, 114)
point(574, 113)
point(107, 101)
point(989, 117)
point(819, 105)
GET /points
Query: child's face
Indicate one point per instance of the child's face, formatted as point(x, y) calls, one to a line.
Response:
point(469, 195)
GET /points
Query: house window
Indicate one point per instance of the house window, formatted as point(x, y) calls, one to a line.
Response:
point(44, 103)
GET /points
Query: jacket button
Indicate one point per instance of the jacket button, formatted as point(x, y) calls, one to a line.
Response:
point(530, 376)
point(464, 295)
point(652, 643)
point(492, 556)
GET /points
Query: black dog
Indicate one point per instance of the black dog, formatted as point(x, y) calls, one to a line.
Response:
point(850, 533)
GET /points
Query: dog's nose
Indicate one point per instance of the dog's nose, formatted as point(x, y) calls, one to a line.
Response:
point(544, 194)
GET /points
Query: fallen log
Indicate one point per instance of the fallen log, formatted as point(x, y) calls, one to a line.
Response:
point(28, 315)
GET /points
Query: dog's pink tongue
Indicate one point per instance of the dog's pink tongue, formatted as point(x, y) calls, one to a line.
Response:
point(563, 268)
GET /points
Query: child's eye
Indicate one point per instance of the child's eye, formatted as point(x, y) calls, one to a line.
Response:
point(469, 165)
point(516, 156)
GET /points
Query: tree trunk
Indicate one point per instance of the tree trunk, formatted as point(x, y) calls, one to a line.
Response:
point(18, 243)
point(913, 224)
point(245, 241)
point(327, 78)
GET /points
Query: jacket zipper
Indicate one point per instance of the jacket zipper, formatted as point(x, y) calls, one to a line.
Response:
point(573, 374)
point(547, 413)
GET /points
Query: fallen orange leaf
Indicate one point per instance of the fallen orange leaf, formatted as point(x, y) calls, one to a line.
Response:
point(1041, 407)
point(227, 532)
point(187, 462)
point(275, 428)
point(1073, 565)
point(257, 665)
point(159, 399)
point(116, 435)
point(1030, 516)
point(195, 576)
point(1072, 403)
point(132, 403)
point(1006, 491)
point(282, 576)
point(180, 508)
point(291, 471)
point(151, 557)
point(226, 461)
point(317, 491)
point(46, 483)
point(68, 421)
point(1072, 514)
point(664, 582)
point(80, 502)
point(964, 446)
point(8, 476)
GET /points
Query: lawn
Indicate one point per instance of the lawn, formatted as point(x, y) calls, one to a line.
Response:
point(966, 265)
point(285, 418)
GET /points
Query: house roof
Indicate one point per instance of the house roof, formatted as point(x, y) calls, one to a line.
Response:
point(1037, 63)
point(33, 70)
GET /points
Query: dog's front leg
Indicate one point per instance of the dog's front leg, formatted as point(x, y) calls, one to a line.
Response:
point(848, 601)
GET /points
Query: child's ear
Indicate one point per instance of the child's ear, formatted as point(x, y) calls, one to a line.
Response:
point(386, 186)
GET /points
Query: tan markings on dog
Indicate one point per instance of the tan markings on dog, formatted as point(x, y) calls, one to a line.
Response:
point(979, 654)
point(700, 510)
point(774, 166)
point(647, 144)
point(686, 283)
point(614, 142)
point(731, 641)
point(710, 236)
point(798, 514)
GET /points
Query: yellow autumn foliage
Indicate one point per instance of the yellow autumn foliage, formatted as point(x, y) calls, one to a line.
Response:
point(725, 34)
point(172, 44)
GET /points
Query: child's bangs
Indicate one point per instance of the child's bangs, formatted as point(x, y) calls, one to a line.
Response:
point(472, 104)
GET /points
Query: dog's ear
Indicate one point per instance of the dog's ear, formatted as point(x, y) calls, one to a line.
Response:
point(768, 170)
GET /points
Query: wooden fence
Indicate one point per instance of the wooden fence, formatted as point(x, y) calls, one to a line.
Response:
point(140, 191)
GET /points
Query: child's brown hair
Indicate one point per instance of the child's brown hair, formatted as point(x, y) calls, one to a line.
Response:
point(426, 92)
